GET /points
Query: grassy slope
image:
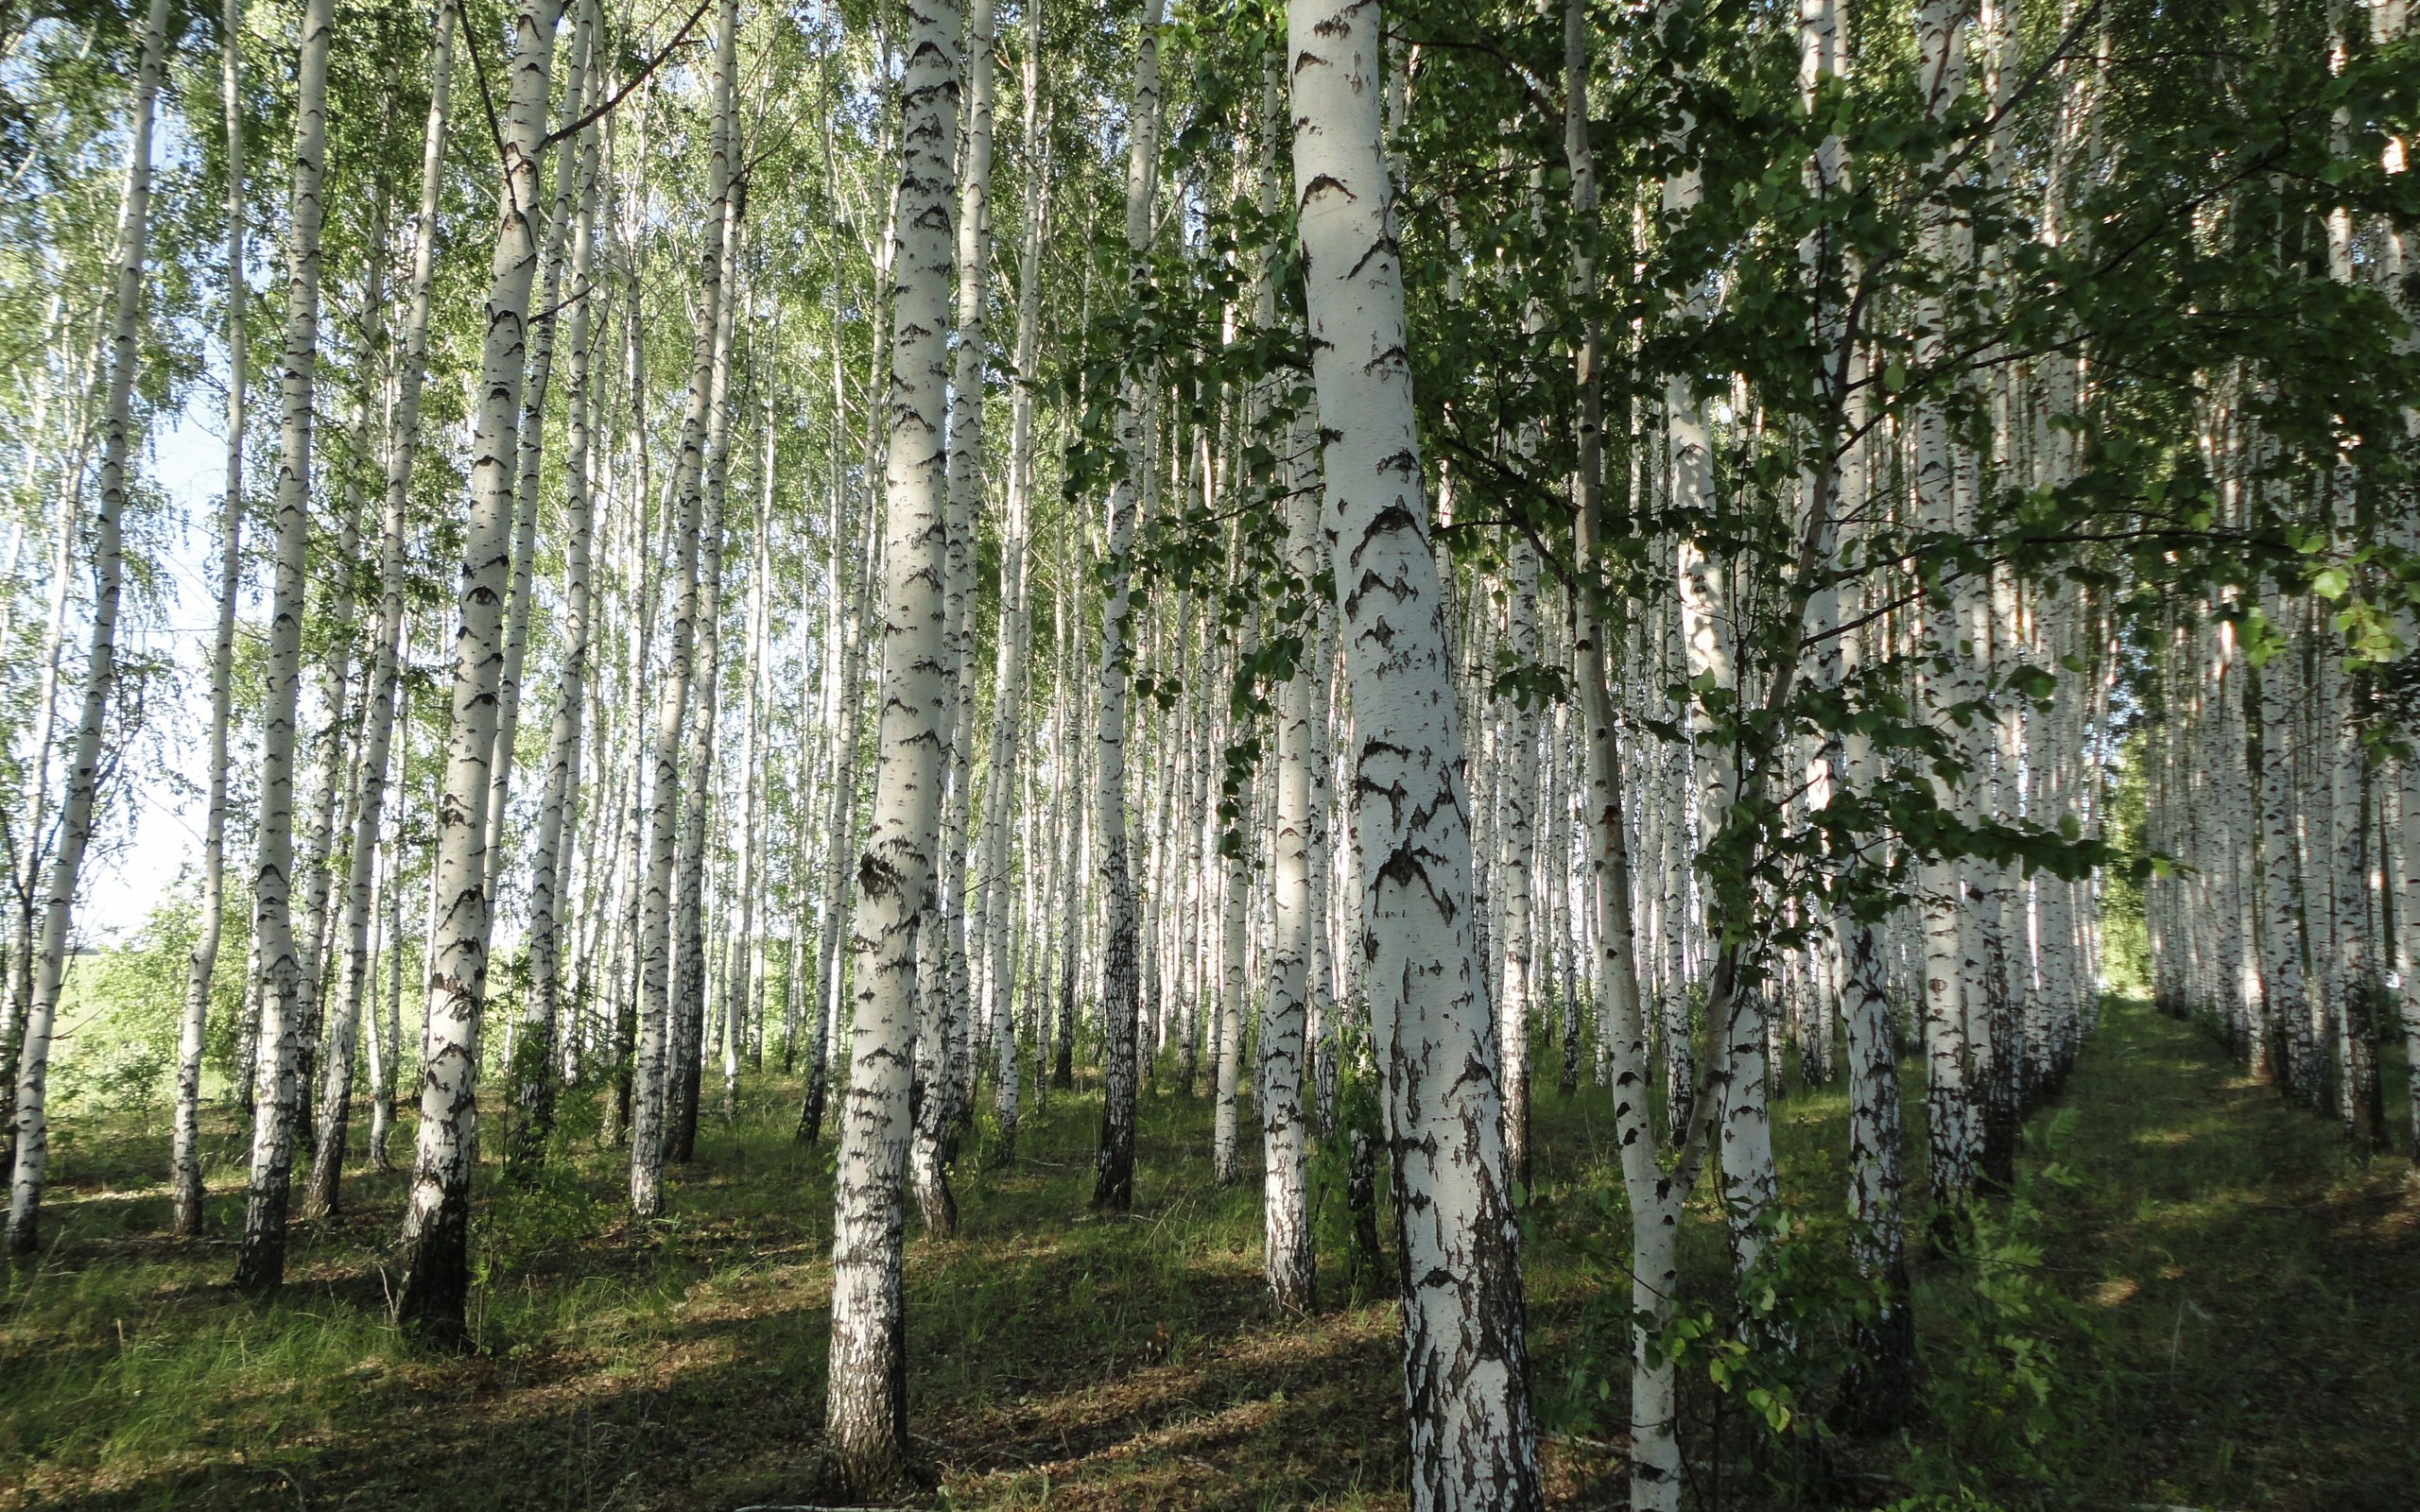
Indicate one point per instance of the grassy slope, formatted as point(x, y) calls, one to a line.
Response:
point(2227, 1299)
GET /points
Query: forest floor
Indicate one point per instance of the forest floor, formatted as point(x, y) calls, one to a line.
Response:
point(2197, 1298)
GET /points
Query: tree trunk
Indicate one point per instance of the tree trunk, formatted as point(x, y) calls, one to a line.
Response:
point(1015, 635)
point(1114, 1167)
point(653, 1098)
point(941, 1051)
point(262, 1263)
point(100, 670)
point(336, 1090)
point(693, 971)
point(1466, 1370)
point(865, 1415)
point(1288, 1253)
point(436, 1224)
point(533, 1073)
point(184, 1155)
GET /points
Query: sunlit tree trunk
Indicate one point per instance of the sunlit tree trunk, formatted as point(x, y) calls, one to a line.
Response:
point(652, 1099)
point(534, 1075)
point(941, 1049)
point(743, 947)
point(866, 1410)
point(692, 970)
point(262, 1263)
point(1949, 1115)
point(436, 1240)
point(1473, 1438)
point(1015, 634)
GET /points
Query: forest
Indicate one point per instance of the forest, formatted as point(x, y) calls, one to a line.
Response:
point(1430, 754)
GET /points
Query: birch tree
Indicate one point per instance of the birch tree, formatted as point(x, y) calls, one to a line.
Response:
point(78, 815)
point(1473, 1438)
point(261, 1266)
point(435, 1290)
point(866, 1408)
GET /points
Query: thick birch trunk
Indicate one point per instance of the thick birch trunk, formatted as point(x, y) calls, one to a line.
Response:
point(436, 1238)
point(1473, 1438)
point(865, 1415)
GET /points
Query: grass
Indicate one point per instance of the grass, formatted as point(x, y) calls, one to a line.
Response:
point(2197, 1298)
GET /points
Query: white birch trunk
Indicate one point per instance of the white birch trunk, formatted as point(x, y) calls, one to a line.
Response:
point(1287, 1251)
point(336, 1092)
point(866, 1415)
point(1015, 634)
point(534, 1072)
point(656, 1067)
point(1114, 1166)
point(185, 1154)
point(1473, 1438)
point(100, 670)
point(436, 1239)
point(262, 1264)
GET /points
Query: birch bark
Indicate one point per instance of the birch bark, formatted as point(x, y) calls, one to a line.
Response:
point(262, 1263)
point(185, 1154)
point(534, 1073)
point(865, 1415)
point(336, 1092)
point(1114, 1167)
point(1015, 634)
point(656, 1069)
point(436, 1239)
point(1473, 1438)
point(100, 669)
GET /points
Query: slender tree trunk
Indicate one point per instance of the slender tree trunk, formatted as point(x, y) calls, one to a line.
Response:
point(1949, 1116)
point(262, 1263)
point(1518, 785)
point(693, 971)
point(534, 1077)
point(436, 1224)
point(1287, 1251)
point(100, 669)
point(1466, 1372)
point(184, 1155)
point(1655, 1192)
point(1015, 634)
point(385, 1041)
point(1114, 1167)
point(941, 1050)
point(653, 1097)
point(336, 1092)
point(1233, 924)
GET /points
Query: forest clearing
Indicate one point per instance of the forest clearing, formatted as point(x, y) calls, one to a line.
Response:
point(2211, 1279)
point(1478, 756)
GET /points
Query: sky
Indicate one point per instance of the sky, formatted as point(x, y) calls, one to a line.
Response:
point(122, 882)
